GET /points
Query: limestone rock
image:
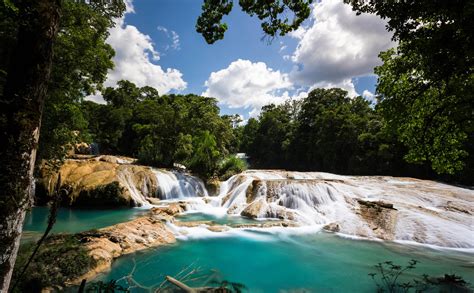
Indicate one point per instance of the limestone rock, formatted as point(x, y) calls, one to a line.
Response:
point(256, 209)
point(104, 180)
point(332, 227)
point(218, 228)
point(106, 244)
point(380, 216)
point(171, 209)
point(212, 187)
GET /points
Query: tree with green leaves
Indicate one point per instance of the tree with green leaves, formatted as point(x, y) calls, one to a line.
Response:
point(205, 155)
point(270, 145)
point(80, 64)
point(426, 84)
point(272, 13)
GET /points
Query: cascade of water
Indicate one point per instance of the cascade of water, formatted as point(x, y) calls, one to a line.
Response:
point(423, 211)
point(313, 201)
point(174, 185)
point(138, 197)
point(441, 212)
point(233, 191)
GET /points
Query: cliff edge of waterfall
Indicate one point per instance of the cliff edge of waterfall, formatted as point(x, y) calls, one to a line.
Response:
point(112, 181)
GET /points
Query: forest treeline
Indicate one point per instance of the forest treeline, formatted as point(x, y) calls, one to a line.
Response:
point(326, 131)
point(332, 132)
point(421, 126)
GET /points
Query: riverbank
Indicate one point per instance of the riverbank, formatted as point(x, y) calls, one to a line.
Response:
point(270, 204)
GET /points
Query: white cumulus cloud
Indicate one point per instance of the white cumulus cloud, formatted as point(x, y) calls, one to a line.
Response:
point(248, 84)
point(135, 60)
point(173, 36)
point(369, 96)
point(338, 45)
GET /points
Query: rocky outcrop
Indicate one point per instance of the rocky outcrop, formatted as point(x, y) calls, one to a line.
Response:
point(101, 181)
point(116, 181)
point(261, 209)
point(332, 227)
point(380, 216)
point(105, 245)
point(258, 208)
point(213, 186)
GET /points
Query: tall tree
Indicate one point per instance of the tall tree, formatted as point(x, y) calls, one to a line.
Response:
point(21, 107)
point(24, 87)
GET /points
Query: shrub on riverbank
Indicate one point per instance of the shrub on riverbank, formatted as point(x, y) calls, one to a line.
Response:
point(230, 166)
point(59, 259)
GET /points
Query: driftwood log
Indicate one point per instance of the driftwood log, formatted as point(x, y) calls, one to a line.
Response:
point(188, 289)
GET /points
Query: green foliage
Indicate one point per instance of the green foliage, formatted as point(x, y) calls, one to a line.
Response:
point(109, 195)
point(105, 287)
point(273, 14)
point(161, 130)
point(426, 84)
point(271, 143)
point(433, 119)
point(209, 22)
point(327, 131)
point(389, 279)
point(205, 156)
point(80, 65)
point(230, 166)
point(60, 258)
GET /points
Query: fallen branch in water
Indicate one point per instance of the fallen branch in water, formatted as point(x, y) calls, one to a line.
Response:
point(180, 285)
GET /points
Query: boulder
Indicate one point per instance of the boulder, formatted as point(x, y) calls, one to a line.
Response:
point(332, 227)
point(171, 209)
point(213, 187)
point(380, 216)
point(256, 209)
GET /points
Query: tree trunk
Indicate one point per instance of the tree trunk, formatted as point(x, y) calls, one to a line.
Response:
point(21, 107)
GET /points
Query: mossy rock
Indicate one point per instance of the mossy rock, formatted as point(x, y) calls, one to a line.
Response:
point(60, 258)
point(109, 195)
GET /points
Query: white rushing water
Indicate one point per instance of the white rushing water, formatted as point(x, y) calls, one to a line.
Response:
point(137, 194)
point(423, 211)
point(163, 184)
point(176, 185)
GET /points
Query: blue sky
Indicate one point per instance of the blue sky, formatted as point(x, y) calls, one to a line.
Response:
point(157, 45)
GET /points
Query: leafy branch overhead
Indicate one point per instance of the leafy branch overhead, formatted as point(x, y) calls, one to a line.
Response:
point(274, 15)
point(425, 85)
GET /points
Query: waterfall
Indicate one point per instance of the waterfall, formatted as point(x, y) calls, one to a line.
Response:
point(423, 211)
point(174, 185)
point(138, 196)
point(415, 210)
